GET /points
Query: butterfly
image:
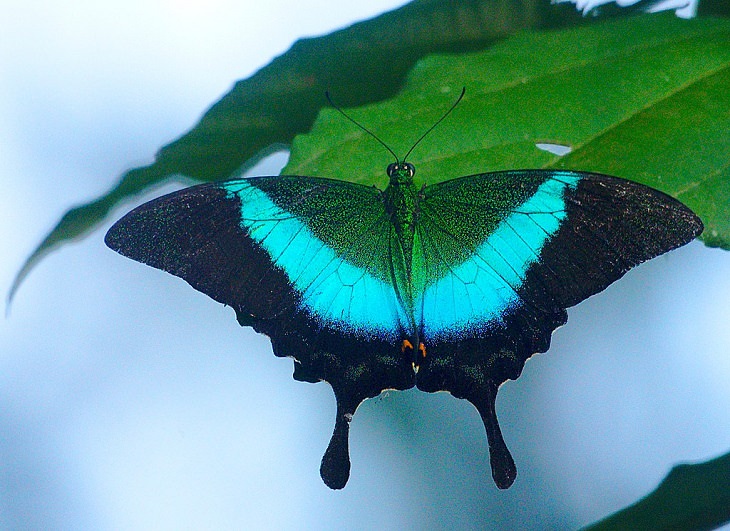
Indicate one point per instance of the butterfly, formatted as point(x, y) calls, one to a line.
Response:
point(445, 287)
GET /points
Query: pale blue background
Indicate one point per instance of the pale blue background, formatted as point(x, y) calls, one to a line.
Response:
point(130, 401)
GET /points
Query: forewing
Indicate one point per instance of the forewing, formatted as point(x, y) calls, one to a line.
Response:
point(504, 254)
point(302, 260)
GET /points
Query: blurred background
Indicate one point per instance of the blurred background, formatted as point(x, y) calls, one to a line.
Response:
point(130, 401)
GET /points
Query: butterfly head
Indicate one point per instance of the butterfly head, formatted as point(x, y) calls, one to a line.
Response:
point(401, 172)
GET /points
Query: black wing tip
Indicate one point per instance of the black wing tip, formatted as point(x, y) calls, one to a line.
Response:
point(126, 237)
point(688, 226)
point(698, 227)
point(115, 236)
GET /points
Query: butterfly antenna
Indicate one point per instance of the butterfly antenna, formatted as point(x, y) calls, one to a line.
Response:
point(424, 135)
point(343, 113)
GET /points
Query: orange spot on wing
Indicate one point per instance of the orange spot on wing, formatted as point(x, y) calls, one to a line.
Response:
point(408, 345)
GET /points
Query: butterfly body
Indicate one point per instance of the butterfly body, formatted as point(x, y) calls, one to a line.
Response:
point(447, 287)
point(401, 206)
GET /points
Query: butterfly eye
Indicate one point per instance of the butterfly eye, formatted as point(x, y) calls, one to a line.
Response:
point(401, 167)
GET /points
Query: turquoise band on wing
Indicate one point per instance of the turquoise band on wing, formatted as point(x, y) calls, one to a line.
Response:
point(473, 294)
point(480, 290)
point(334, 291)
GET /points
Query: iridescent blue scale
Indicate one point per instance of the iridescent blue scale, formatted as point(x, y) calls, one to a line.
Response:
point(332, 290)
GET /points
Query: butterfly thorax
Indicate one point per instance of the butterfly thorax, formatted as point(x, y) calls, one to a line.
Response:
point(401, 199)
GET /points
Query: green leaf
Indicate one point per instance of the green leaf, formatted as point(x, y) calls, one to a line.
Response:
point(645, 98)
point(364, 63)
point(690, 497)
point(713, 8)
